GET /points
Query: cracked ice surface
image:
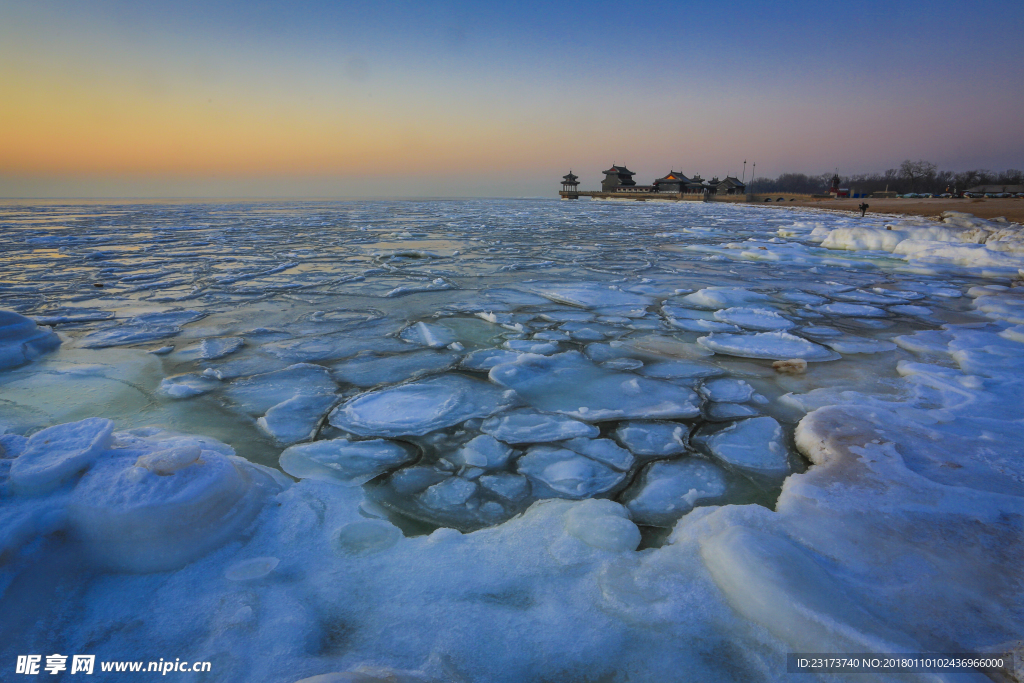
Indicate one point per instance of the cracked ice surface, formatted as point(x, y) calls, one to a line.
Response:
point(558, 420)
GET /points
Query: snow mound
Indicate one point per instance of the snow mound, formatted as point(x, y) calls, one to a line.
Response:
point(21, 340)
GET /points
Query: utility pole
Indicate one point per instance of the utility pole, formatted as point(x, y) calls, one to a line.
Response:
point(753, 172)
point(744, 179)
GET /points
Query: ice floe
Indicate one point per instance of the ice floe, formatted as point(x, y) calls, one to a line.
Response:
point(568, 383)
point(531, 426)
point(754, 445)
point(343, 461)
point(767, 345)
point(666, 490)
point(561, 473)
point(420, 407)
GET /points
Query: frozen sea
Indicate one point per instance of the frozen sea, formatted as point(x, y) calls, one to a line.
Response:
point(506, 440)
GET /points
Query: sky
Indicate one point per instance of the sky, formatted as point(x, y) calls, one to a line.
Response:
point(112, 98)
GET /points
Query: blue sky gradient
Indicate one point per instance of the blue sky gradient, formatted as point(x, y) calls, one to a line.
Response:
point(454, 98)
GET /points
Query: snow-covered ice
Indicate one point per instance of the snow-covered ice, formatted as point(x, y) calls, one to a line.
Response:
point(22, 340)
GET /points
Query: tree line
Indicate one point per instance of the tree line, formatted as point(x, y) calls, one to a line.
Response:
point(911, 176)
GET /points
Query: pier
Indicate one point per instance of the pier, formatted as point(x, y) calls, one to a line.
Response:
point(652, 196)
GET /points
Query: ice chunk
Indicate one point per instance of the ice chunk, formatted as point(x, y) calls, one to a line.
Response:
point(415, 479)
point(723, 297)
point(512, 487)
point(150, 504)
point(514, 297)
point(653, 439)
point(602, 450)
point(257, 394)
point(141, 328)
point(567, 316)
point(907, 309)
point(435, 285)
point(187, 385)
point(718, 412)
point(21, 340)
point(754, 318)
point(54, 455)
point(754, 446)
point(369, 371)
point(297, 418)
point(623, 364)
point(667, 490)
point(368, 337)
point(602, 524)
point(450, 493)
point(852, 310)
point(767, 345)
point(587, 294)
point(799, 297)
point(531, 426)
point(211, 349)
point(251, 569)
point(483, 451)
point(485, 359)
point(820, 332)
point(701, 325)
point(570, 384)
point(344, 461)
point(852, 344)
point(726, 390)
point(428, 334)
point(561, 473)
point(419, 407)
point(532, 346)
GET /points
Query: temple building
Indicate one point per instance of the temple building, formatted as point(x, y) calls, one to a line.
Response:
point(730, 185)
point(672, 182)
point(618, 180)
point(617, 177)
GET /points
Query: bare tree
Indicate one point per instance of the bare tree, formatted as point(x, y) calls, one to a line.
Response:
point(916, 171)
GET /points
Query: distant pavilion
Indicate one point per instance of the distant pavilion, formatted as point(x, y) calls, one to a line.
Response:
point(570, 183)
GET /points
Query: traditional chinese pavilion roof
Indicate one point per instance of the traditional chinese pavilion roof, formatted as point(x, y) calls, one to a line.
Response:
point(570, 178)
point(673, 177)
point(618, 170)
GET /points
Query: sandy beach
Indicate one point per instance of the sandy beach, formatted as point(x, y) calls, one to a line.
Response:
point(1011, 209)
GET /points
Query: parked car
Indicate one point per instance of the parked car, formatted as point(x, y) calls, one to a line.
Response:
point(945, 195)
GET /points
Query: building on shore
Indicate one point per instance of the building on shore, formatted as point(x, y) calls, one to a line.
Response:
point(730, 185)
point(617, 178)
point(618, 182)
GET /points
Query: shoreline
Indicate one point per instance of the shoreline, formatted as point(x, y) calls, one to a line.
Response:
point(1012, 209)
